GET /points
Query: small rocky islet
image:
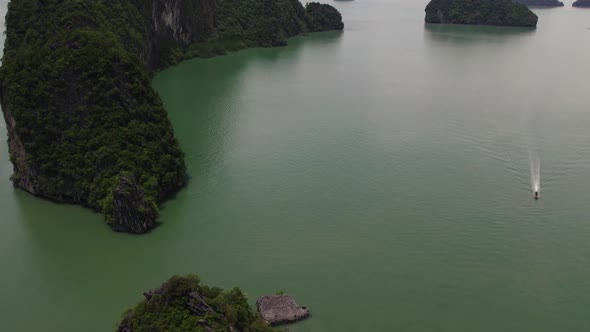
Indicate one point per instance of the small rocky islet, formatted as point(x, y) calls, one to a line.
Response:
point(183, 304)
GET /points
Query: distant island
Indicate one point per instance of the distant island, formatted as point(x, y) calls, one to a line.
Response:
point(85, 125)
point(581, 3)
point(480, 12)
point(541, 3)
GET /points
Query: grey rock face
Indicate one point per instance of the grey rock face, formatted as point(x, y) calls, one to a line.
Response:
point(24, 175)
point(177, 22)
point(131, 212)
point(280, 309)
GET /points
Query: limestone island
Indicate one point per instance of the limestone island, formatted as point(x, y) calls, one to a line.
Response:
point(582, 3)
point(182, 304)
point(480, 12)
point(541, 3)
point(85, 125)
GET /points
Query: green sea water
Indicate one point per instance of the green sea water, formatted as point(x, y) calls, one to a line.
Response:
point(380, 175)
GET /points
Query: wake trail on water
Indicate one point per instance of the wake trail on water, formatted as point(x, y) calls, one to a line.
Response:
point(533, 152)
point(535, 164)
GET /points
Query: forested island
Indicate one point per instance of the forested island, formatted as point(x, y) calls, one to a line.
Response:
point(84, 123)
point(581, 3)
point(182, 304)
point(480, 12)
point(541, 3)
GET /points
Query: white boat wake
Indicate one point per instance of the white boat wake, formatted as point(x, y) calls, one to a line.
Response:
point(535, 165)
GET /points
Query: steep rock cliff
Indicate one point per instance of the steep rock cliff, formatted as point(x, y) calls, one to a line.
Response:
point(84, 124)
point(24, 175)
point(132, 210)
point(172, 24)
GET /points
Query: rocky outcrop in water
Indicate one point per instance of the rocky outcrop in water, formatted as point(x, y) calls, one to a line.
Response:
point(480, 12)
point(84, 123)
point(280, 309)
point(582, 3)
point(183, 304)
point(541, 3)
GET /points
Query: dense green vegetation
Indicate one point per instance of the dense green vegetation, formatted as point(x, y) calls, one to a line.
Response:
point(258, 23)
point(480, 12)
point(75, 80)
point(323, 17)
point(83, 103)
point(182, 304)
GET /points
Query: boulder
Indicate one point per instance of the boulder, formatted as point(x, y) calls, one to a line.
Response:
point(280, 309)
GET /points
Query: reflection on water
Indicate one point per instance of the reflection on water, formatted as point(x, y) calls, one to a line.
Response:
point(470, 34)
point(203, 118)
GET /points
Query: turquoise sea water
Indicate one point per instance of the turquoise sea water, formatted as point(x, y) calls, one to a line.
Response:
point(380, 175)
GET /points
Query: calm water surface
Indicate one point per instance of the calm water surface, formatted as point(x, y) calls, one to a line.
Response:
point(380, 175)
